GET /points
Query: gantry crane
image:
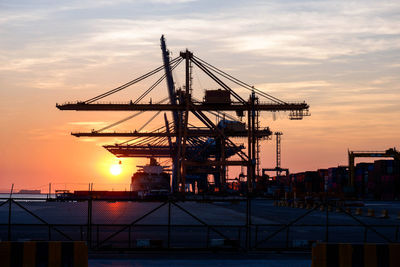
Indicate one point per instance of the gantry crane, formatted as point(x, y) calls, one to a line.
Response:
point(390, 153)
point(278, 169)
point(194, 150)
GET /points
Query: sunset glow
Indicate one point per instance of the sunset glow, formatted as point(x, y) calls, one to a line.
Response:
point(115, 169)
point(341, 57)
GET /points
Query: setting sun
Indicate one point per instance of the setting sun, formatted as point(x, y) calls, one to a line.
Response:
point(115, 169)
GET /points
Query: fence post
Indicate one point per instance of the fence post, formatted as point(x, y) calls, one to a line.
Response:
point(327, 222)
point(208, 236)
point(97, 234)
point(129, 238)
point(287, 237)
point(239, 235)
point(248, 223)
point(256, 237)
point(9, 218)
point(89, 223)
point(169, 223)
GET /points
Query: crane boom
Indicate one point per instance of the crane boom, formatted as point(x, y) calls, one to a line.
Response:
point(170, 80)
point(191, 133)
point(80, 106)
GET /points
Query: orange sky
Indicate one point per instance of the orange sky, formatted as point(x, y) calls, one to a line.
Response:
point(341, 58)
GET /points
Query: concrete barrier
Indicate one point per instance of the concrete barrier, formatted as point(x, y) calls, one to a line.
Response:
point(52, 253)
point(370, 213)
point(349, 255)
point(384, 214)
point(359, 212)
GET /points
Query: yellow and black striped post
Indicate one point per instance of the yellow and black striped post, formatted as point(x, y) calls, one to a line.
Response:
point(52, 253)
point(352, 255)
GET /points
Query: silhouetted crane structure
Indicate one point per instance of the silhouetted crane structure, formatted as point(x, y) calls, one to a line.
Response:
point(278, 169)
point(196, 151)
point(390, 153)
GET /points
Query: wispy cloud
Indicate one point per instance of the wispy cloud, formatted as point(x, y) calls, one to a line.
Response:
point(87, 123)
point(339, 56)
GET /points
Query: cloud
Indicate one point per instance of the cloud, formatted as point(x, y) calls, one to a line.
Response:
point(294, 85)
point(87, 123)
point(265, 30)
point(338, 56)
point(172, 1)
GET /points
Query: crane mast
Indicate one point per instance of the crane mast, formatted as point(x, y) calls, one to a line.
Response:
point(170, 80)
point(176, 115)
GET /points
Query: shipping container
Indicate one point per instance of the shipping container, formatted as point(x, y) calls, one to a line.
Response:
point(232, 126)
point(383, 167)
point(217, 97)
point(361, 178)
point(379, 180)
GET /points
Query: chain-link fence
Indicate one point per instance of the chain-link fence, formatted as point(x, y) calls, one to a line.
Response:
point(239, 224)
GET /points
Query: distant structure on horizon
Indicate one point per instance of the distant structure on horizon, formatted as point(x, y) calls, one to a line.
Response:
point(28, 191)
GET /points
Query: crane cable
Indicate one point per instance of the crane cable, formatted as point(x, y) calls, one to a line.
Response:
point(118, 122)
point(154, 85)
point(239, 82)
point(144, 125)
point(119, 88)
point(150, 120)
point(143, 138)
point(125, 119)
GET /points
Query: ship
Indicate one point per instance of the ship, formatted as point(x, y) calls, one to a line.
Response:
point(151, 180)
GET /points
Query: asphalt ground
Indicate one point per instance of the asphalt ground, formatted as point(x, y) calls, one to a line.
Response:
point(203, 259)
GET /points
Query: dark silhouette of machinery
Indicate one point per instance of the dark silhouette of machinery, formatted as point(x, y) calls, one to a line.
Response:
point(278, 169)
point(390, 153)
point(197, 151)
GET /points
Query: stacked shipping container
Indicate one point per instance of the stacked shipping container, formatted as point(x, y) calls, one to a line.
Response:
point(379, 180)
point(364, 180)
